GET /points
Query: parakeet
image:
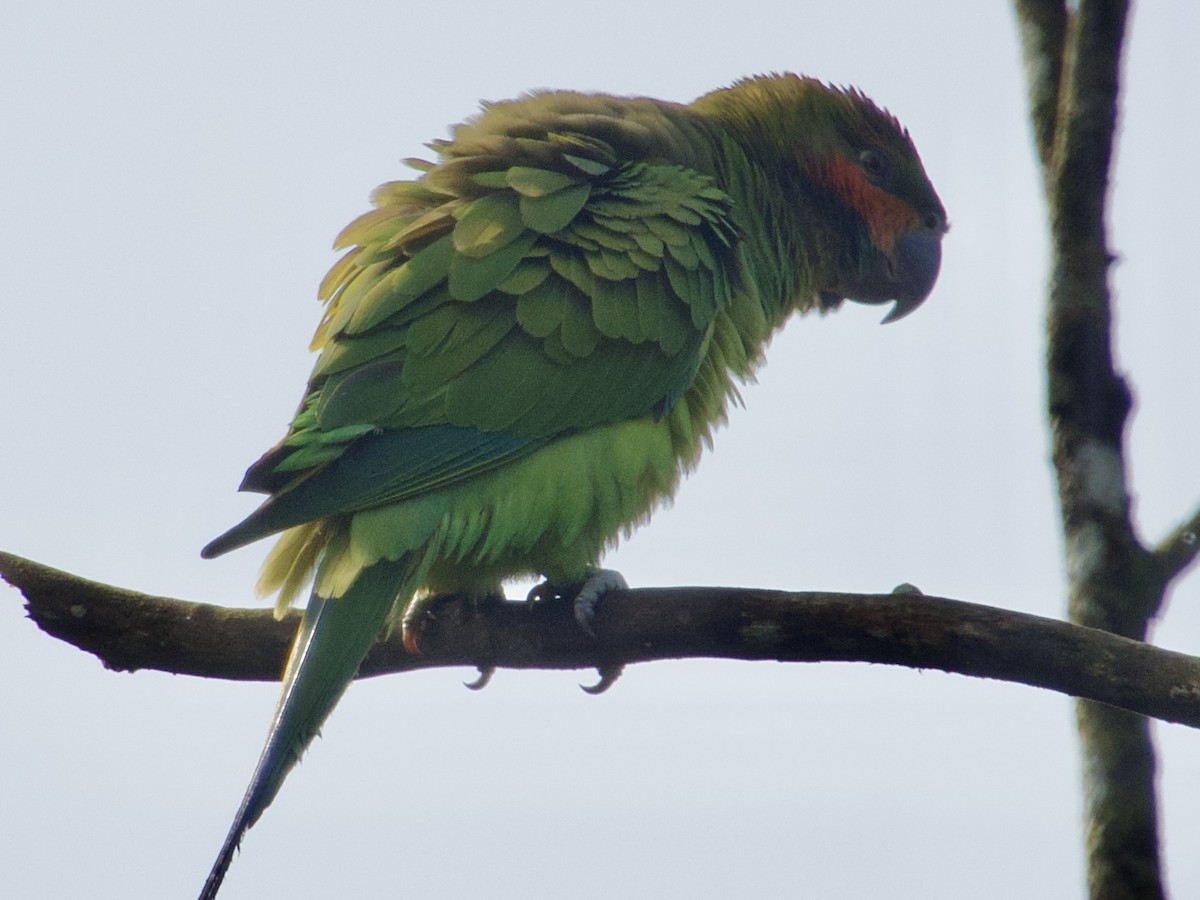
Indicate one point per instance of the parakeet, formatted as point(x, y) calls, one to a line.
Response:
point(529, 342)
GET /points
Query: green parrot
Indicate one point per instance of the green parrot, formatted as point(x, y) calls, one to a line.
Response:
point(527, 344)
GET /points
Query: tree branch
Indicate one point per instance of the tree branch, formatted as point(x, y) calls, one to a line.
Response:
point(1043, 28)
point(1179, 549)
point(1073, 58)
point(129, 630)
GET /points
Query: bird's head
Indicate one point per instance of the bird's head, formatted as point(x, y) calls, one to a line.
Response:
point(844, 176)
point(889, 219)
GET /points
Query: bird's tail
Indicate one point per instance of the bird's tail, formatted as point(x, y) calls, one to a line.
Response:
point(334, 636)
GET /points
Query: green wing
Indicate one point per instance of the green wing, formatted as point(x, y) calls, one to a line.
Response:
point(502, 300)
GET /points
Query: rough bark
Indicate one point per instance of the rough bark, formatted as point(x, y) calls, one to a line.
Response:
point(1115, 583)
point(128, 631)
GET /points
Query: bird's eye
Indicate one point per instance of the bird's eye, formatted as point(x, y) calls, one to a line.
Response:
point(873, 162)
point(933, 222)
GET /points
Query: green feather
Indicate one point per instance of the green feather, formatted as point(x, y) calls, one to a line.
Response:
point(528, 274)
point(486, 225)
point(579, 335)
point(451, 339)
point(587, 166)
point(366, 394)
point(491, 180)
point(530, 182)
point(358, 350)
point(393, 291)
point(670, 233)
point(616, 312)
point(334, 637)
point(541, 310)
point(650, 244)
point(548, 213)
point(473, 277)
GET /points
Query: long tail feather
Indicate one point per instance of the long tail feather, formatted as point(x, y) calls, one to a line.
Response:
point(334, 636)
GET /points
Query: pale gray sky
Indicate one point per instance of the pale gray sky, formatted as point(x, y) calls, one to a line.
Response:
point(171, 177)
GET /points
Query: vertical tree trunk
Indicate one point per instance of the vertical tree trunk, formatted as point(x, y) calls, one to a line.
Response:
point(1073, 66)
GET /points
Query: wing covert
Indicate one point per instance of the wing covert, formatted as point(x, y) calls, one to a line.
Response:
point(501, 300)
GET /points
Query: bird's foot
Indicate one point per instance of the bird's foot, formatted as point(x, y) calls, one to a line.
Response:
point(584, 596)
point(411, 623)
point(598, 584)
point(429, 614)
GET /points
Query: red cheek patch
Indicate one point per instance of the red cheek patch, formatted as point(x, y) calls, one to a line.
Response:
point(886, 216)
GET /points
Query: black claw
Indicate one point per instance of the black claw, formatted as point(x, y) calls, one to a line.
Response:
point(608, 677)
point(485, 675)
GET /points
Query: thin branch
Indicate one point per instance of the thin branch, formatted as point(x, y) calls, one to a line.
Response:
point(1179, 549)
point(1043, 27)
point(128, 630)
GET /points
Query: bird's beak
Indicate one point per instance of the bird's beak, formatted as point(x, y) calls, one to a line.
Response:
point(906, 276)
point(916, 259)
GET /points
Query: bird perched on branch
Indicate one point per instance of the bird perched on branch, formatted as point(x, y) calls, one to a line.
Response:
point(529, 342)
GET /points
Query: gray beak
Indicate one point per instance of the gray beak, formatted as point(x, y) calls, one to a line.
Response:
point(906, 277)
point(916, 259)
